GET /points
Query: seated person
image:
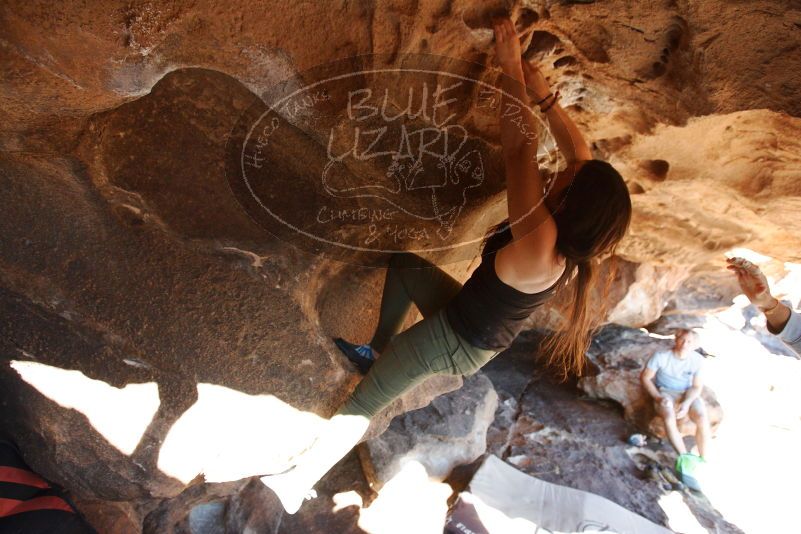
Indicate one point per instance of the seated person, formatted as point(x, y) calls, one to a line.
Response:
point(674, 379)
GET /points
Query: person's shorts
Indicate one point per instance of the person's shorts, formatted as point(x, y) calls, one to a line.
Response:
point(678, 396)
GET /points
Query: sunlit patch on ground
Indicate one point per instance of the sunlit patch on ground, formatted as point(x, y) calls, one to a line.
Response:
point(680, 517)
point(229, 435)
point(345, 499)
point(409, 502)
point(754, 468)
point(121, 415)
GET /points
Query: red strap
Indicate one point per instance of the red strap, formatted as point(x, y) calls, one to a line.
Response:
point(22, 476)
point(13, 506)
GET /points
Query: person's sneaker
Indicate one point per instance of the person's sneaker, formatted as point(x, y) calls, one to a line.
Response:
point(361, 355)
point(691, 470)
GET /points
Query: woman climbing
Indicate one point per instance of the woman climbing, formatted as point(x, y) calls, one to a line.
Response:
point(552, 244)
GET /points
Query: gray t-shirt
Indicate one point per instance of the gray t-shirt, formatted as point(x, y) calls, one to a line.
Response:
point(675, 373)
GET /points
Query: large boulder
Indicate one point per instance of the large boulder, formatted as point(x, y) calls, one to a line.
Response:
point(556, 432)
point(659, 95)
point(450, 431)
point(628, 293)
point(159, 336)
point(337, 506)
point(104, 291)
point(111, 517)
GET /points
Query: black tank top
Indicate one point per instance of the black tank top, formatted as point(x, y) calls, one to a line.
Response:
point(487, 312)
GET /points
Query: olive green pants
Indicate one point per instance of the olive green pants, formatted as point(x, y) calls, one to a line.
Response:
point(428, 348)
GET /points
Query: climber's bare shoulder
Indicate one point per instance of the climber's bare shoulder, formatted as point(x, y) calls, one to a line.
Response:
point(530, 272)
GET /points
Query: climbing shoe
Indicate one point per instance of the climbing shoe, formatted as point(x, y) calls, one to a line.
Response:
point(361, 355)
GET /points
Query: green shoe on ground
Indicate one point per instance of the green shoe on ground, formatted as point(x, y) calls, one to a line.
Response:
point(689, 468)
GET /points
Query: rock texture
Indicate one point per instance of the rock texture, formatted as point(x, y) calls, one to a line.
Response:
point(556, 433)
point(337, 508)
point(127, 262)
point(646, 81)
point(98, 280)
point(450, 431)
point(628, 293)
point(709, 201)
point(111, 517)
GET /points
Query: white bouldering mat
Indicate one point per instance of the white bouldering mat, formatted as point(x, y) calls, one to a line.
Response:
point(503, 500)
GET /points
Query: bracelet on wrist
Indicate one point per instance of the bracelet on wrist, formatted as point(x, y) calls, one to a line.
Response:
point(771, 308)
point(546, 97)
point(550, 104)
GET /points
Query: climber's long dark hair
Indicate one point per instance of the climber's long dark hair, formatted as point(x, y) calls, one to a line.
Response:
point(592, 218)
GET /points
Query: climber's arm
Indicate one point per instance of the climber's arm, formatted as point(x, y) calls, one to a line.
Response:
point(528, 214)
point(533, 248)
point(567, 135)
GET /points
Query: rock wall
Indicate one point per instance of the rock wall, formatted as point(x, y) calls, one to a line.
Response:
point(126, 261)
point(452, 432)
point(555, 433)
